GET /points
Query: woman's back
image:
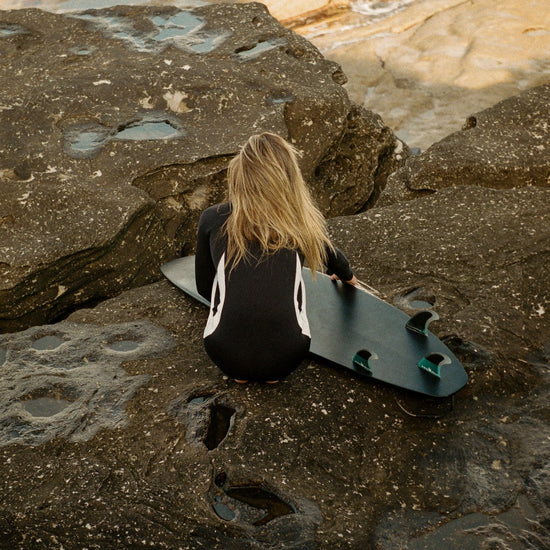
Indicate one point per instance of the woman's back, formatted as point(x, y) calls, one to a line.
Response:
point(257, 314)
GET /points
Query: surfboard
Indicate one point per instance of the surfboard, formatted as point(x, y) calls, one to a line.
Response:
point(354, 329)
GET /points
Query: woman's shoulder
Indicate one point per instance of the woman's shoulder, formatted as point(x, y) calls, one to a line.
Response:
point(215, 213)
point(220, 209)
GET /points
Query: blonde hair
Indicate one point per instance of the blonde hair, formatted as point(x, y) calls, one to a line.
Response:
point(271, 204)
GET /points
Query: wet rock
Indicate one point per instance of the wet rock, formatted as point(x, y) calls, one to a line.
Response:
point(99, 103)
point(507, 145)
point(325, 459)
point(66, 379)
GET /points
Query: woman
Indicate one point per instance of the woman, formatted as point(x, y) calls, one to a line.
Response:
point(249, 260)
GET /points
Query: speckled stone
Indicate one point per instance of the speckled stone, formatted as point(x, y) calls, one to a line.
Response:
point(66, 380)
point(505, 146)
point(328, 460)
point(66, 245)
point(97, 104)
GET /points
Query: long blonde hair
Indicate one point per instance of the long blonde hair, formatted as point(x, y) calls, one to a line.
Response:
point(271, 204)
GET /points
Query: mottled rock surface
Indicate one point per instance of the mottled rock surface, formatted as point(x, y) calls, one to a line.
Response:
point(66, 245)
point(324, 459)
point(507, 145)
point(66, 380)
point(159, 99)
point(116, 430)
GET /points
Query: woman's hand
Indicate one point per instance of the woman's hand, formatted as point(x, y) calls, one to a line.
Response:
point(352, 281)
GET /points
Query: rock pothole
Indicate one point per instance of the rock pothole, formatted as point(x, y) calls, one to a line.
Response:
point(85, 140)
point(416, 298)
point(251, 503)
point(264, 512)
point(184, 29)
point(49, 401)
point(209, 416)
point(48, 342)
point(66, 380)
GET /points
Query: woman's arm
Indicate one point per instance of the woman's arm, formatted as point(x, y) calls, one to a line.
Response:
point(338, 267)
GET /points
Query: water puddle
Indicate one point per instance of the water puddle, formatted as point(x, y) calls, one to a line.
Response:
point(86, 140)
point(7, 29)
point(278, 98)
point(219, 424)
point(47, 342)
point(248, 500)
point(182, 29)
point(223, 510)
point(144, 130)
point(199, 400)
point(124, 345)
point(47, 402)
point(82, 51)
point(247, 54)
point(176, 26)
point(45, 406)
point(207, 44)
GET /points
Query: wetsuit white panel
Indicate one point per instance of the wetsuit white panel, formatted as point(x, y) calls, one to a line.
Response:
point(300, 299)
point(217, 299)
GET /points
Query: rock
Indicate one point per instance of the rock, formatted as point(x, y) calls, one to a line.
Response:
point(324, 459)
point(304, 10)
point(426, 66)
point(479, 255)
point(156, 98)
point(505, 146)
point(62, 246)
point(70, 375)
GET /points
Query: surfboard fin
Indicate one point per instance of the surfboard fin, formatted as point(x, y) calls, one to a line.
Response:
point(361, 360)
point(419, 322)
point(432, 363)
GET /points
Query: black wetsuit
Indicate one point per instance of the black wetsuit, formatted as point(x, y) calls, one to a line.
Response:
point(257, 328)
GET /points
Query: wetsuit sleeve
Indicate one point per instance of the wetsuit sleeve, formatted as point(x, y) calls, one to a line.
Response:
point(205, 270)
point(338, 264)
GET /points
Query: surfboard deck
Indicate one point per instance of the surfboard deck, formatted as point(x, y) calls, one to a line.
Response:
point(356, 330)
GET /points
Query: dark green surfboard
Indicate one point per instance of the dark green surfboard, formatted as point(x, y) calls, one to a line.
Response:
point(356, 330)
